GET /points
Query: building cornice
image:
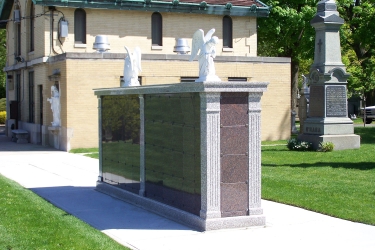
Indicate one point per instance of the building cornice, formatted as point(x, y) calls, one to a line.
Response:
point(145, 57)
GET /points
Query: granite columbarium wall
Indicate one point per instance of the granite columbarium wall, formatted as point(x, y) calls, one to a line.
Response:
point(190, 151)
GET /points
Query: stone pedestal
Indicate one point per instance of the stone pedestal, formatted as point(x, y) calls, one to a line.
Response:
point(55, 131)
point(20, 136)
point(193, 156)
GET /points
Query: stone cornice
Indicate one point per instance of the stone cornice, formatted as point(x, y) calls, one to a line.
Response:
point(145, 57)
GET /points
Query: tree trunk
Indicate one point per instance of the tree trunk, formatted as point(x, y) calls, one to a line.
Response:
point(294, 84)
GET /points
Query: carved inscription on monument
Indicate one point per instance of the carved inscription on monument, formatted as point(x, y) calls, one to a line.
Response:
point(335, 101)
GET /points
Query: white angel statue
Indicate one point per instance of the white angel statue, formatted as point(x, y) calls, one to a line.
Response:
point(205, 46)
point(132, 67)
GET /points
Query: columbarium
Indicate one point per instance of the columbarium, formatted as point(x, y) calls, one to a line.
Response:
point(189, 151)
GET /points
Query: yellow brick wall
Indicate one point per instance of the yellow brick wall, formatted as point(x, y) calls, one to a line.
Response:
point(119, 26)
point(85, 75)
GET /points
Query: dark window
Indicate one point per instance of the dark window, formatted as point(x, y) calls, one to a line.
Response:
point(18, 40)
point(237, 79)
point(227, 32)
point(31, 27)
point(80, 26)
point(188, 79)
point(18, 97)
point(157, 29)
point(31, 97)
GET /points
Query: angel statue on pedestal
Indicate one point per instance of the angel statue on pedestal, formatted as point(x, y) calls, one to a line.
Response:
point(205, 45)
point(132, 67)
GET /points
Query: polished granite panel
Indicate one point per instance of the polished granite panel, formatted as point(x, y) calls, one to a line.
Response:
point(233, 109)
point(234, 199)
point(234, 140)
point(234, 149)
point(120, 141)
point(172, 149)
point(236, 168)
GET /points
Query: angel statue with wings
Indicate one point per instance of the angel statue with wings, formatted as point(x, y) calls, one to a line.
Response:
point(205, 46)
point(132, 67)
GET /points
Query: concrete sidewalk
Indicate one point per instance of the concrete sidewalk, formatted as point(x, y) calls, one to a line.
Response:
point(68, 181)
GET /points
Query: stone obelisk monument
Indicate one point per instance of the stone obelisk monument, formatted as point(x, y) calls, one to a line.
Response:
point(328, 112)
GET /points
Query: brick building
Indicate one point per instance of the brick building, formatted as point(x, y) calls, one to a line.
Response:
point(51, 43)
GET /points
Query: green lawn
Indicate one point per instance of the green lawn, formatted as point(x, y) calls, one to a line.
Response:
point(29, 222)
point(338, 183)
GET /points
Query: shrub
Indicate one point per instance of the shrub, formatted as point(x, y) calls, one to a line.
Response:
point(2, 104)
point(3, 116)
point(326, 146)
point(294, 144)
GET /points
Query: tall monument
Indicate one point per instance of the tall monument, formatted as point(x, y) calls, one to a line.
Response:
point(328, 112)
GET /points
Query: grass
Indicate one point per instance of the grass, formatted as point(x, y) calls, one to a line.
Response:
point(338, 183)
point(90, 152)
point(29, 222)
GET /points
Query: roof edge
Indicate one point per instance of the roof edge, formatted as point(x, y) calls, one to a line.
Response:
point(164, 6)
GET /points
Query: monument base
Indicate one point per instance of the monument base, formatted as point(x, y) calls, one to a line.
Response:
point(349, 141)
point(338, 130)
point(181, 216)
point(56, 136)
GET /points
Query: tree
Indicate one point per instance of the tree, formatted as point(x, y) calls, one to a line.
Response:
point(288, 33)
point(357, 42)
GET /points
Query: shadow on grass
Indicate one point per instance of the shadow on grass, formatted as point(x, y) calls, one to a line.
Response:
point(346, 165)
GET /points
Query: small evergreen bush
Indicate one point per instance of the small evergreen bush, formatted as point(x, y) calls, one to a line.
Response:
point(294, 144)
point(3, 116)
point(326, 146)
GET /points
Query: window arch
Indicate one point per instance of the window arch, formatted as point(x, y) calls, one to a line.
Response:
point(157, 29)
point(80, 26)
point(31, 27)
point(227, 32)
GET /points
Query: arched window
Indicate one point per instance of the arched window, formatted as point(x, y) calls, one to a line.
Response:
point(80, 26)
point(227, 32)
point(157, 29)
point(31, 27)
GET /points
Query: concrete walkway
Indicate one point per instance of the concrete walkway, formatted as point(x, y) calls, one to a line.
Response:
point(68, 181)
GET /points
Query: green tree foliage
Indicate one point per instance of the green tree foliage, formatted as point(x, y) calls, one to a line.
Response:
point(357, 42)
point(288, 33)
point(2, 62)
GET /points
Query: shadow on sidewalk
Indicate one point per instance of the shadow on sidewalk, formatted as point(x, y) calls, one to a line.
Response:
point(6, 144)
point(103, 211)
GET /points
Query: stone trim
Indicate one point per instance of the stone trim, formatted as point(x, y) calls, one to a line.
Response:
point(255, 154)
point(210, 155)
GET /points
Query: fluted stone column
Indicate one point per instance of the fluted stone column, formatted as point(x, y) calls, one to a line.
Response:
point(254, 154)
point(210, 155)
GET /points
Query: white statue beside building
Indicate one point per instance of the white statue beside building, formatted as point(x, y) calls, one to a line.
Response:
point(205, 46)
point(55, 106)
